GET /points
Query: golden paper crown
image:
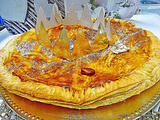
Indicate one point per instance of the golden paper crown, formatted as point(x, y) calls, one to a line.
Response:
point(101, 37)
point(72, 18)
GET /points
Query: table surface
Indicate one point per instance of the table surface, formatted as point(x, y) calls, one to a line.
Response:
point(148, 22)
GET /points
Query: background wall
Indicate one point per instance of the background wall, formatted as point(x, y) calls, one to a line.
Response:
point(21, 15)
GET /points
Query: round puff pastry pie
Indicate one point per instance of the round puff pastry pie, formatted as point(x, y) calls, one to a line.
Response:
point(78, 67)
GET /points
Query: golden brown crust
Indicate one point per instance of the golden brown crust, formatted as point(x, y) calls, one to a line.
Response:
point(109, 93)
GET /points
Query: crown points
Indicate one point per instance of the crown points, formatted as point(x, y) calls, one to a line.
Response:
point(100, 19)
point(62, 46)
point(52, 21)
point(81, 46)
point(101, 29)
point(57, 14)
point(43, 37)
point(71, 17)
point(85, 18)
point(41, 17)
point(101, 40)
point(63, 35)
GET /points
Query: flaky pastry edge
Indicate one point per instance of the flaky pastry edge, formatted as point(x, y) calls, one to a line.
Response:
point(109, 93)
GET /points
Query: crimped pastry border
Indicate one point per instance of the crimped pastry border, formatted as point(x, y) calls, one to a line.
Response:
point(112, 92)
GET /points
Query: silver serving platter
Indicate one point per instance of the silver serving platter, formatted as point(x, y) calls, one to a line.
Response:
point(144, 112)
